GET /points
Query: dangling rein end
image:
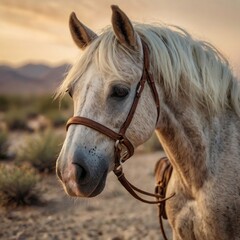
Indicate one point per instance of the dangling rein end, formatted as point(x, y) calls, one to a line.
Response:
point(160, 199)
point(133, 189)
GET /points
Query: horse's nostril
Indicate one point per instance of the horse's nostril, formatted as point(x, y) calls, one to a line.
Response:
point(81, 173)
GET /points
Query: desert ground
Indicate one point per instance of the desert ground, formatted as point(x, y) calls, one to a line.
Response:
point(113, 215)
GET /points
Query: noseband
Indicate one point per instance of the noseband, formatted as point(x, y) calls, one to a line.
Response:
point(121, 141)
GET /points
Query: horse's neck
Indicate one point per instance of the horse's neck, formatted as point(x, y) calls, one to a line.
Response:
point(187, 137)
point(224, 145)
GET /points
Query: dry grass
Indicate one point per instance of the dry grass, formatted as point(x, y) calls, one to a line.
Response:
point(3, 144)
point(17, 186)
point(41, 151)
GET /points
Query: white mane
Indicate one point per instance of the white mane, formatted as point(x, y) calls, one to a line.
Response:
point(186, 65)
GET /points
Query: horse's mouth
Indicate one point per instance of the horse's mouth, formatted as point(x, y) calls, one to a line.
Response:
point(91, 189)
point(100, 186)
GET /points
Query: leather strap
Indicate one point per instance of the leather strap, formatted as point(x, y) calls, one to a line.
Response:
point(102, 129)
point(138, 93)
point(154, 92)
point(133, 189)
point(163, 172)
point(146, 76)
point(150, 79)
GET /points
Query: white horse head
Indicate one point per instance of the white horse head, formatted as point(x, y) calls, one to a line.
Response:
point(103, 86)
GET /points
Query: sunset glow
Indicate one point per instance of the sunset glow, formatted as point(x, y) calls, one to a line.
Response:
point(34, 31)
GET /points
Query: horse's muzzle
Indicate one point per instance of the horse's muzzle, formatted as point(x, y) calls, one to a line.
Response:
point(83, 177)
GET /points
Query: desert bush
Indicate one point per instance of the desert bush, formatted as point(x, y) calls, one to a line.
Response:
point(18, 109)
point(57, 112)
point(46, 104)
point(11, 101)
point(3, 144)
point(16, 119)
point(41, 151)
point(153, 144)
point(58, 118)
point(18, 186)
point(4, 103)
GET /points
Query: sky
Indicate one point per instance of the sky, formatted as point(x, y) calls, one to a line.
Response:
point(37, 31)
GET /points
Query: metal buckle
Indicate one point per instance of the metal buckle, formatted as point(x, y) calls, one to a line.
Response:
point(124, 156)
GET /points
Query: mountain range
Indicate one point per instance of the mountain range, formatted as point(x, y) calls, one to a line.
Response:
point(31, 78)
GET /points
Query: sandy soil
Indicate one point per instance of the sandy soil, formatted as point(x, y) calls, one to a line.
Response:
point(113, 215)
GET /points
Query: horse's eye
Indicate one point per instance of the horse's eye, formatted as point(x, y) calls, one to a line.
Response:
point(119, 91)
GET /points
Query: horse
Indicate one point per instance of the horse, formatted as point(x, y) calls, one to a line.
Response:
point(197, 120)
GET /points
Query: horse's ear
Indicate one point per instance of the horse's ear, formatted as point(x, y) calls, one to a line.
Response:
point(81, 34)
point(123, 28)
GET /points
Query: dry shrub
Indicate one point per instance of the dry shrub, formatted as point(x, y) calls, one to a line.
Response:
point(16, 119)
point(41, 151)
point(3, 144)
point(18, 109)
point(18, 186)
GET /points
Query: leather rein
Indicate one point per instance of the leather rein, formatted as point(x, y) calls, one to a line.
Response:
point(121, 141)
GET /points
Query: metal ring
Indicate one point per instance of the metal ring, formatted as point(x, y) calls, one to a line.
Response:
point(118, 145)
point(124, 157)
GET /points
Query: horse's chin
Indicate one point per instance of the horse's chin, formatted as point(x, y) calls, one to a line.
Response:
point(89, 190)
point(98, 189)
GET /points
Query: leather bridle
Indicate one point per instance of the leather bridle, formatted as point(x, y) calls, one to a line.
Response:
point(120, 137)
